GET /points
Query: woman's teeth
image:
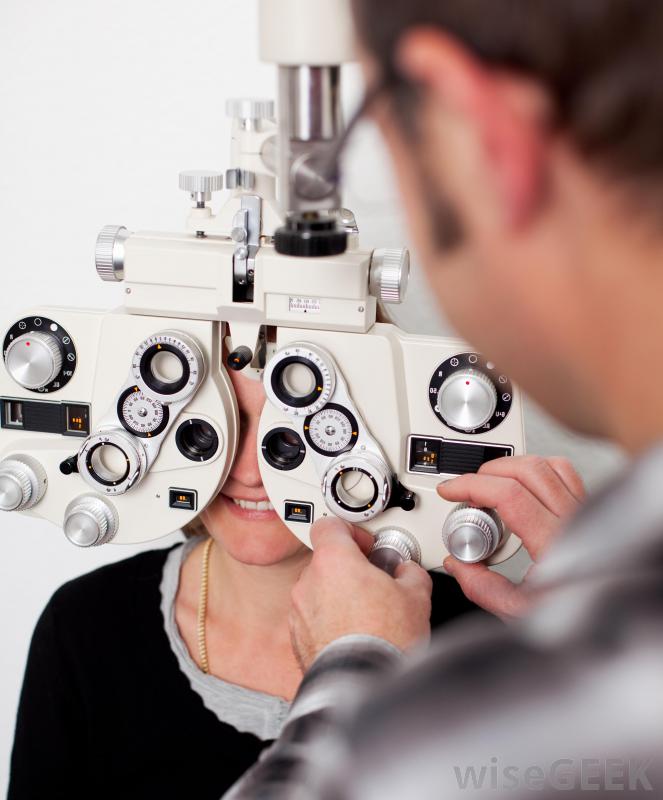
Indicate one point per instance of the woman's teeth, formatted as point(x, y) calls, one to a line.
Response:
point(261, 505)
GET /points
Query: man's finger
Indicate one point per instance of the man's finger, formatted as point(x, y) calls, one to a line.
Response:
point(540, 477)
point(488, 589)
point(363, 538)
point(566, 471)
point(410, 575)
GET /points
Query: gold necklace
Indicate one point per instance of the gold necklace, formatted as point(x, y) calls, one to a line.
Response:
point(202, 608)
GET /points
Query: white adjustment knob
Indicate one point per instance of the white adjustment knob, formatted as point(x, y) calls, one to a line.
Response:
point(109, 252)
point(467, 400)
point(200, 183)
point(22, 483)
point(34, 359)
point(393, 547)
point(90, 521)
point(472, 534)
point(389, 274)
point(250, 108)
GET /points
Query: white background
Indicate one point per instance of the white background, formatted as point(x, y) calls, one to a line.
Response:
point(101, 105)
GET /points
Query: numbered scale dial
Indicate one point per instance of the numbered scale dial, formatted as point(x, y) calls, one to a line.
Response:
point(468, 394)
point(141, 414)
point(168, 364)
point(331, 431)
point(39, 354)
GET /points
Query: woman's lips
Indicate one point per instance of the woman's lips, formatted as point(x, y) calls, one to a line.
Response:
point(250, 511)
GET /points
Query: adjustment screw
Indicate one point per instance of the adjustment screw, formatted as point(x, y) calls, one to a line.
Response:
point(200, 184)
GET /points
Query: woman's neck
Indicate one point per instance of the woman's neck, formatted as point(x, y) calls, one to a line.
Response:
point(246, 624)
point(253, 597)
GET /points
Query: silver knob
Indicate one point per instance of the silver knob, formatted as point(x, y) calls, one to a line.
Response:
point(109, 252)
point(22, 483)
point(250, 108)
point(389, 274)
point(200, 184)
point(467, 400)
point(393, 547)
point(90, 521)
point(34, 359)
point(472, 534)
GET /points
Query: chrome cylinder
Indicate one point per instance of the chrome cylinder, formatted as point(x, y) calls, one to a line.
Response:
point(310, 124)
point(314, 102)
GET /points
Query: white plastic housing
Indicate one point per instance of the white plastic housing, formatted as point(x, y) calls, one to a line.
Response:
point(105, 343)
point(388, 373)
point(315, 32)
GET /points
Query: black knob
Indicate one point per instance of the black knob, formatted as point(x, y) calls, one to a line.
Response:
point(311, 236)
point(239, 358)
point(69, 465)
point(408, 501)
point(401, 496)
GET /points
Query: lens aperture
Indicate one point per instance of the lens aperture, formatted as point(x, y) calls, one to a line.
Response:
point(283, 449)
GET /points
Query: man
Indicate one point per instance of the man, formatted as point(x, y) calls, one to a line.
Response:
point(526, 137)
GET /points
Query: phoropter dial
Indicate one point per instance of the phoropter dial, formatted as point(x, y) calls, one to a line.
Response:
point(112, 461)
point(141, 414)
point(331, 431)
point(39, 354)
point(393, 547)
point(469, 395)
point(90, 521)
point(22, 483)
point(357, 487)
point(168, 365)
point(300, 379)
point(472, 534)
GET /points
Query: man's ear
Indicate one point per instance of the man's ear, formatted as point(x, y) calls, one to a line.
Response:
point(508, 113)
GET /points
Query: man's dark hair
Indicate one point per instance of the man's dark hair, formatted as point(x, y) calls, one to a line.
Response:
point(601, 61)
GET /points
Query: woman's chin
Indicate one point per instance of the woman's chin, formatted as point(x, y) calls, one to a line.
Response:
point(253, 537)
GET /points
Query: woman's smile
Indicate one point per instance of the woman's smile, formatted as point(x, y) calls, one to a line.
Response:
point(250, 509)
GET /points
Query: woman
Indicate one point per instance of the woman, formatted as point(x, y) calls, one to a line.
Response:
point(166, 674)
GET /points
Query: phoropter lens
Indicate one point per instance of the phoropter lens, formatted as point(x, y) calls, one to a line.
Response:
point(297, 382)
point(197, 440)
point(283, 449)
point(355, 488)
point(109, 464)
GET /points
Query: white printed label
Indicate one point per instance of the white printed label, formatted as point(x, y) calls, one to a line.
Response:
point(304, 305)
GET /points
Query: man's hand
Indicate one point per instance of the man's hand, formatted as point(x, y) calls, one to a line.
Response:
point(340, 592)
point(533, 496)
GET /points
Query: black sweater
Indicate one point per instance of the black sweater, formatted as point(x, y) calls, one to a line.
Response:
point(105, 711)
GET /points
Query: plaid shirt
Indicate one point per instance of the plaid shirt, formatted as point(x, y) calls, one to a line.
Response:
point(570, 696)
